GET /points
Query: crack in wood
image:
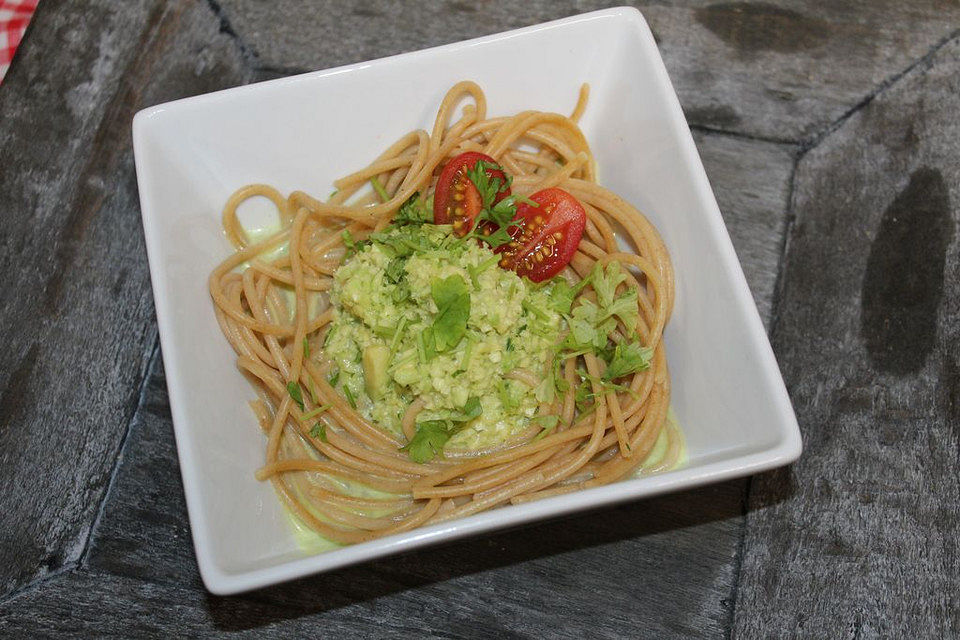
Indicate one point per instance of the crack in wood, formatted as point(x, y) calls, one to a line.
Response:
point(118, 458)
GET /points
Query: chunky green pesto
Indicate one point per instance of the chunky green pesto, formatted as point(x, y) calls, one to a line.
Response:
point(422, 314)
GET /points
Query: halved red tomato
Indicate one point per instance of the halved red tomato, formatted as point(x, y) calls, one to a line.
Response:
point(456, 200)
point(547, 237)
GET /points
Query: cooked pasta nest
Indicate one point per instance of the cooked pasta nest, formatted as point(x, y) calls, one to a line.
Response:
point(351, 481)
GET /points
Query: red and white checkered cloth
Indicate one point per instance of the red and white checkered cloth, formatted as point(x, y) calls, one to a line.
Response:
point(14, 17)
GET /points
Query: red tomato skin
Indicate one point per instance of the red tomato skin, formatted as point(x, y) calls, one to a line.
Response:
point(547, 238)
point(453, 180)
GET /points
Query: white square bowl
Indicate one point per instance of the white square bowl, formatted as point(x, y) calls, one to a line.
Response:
point(303, 132)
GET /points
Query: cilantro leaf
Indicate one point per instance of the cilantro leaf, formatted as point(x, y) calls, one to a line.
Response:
point(583, 396)
point(429, 440)
point(395, 270)
point(628, 358)
point(548, 423)
point(606, 386)
point(353, 246)
point(606, 281)
point(432, 435)
point(471, 410)
point(403, 241)
point(453, 309)
point(488, 188)
point(415, 211)
point(625, 308)
point(319, 431)
point(294, 390)
point(588, 328)
point(496, 238)
point(501, 214)
point(561, 296)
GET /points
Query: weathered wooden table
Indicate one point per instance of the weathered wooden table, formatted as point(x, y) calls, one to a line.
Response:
point(831, 135)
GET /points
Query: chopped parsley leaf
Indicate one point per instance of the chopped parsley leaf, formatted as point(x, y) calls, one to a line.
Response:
point(294, 390)
point(319, 430)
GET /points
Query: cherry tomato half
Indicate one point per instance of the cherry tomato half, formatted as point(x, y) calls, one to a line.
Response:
point(456, 200)
point(547, 238)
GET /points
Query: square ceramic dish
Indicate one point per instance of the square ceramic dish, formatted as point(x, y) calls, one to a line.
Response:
point(303, 132)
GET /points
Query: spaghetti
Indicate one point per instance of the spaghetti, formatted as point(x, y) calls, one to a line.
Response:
point(320, 449)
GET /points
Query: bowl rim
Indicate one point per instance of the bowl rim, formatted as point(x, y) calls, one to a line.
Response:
point(221, 582)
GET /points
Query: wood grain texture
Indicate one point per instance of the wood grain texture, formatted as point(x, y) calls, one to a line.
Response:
point(859, 538)
point(786, 69)
point(780, 69)
point(751, 181)
point(144, 531)
point(76, 308)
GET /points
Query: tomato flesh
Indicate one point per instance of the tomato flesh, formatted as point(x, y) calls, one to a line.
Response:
point(547, 237)
point(456, 200)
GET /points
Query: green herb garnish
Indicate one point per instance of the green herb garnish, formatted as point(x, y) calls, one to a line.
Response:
point(294, 390)
point(475, 271)
point(404, 241)
point(352, 245)
point(628, 358)
point(562, 295)
point(432, 435)
point(349, 394)
point(314, 412)
point(507, 398)
point(415, 211)
point(453, 309)
point(429, 440)
point(548, 423)
point(501, 214)
point(378, 187)
point(395, 270)
point(319, 431)
point(396, 334)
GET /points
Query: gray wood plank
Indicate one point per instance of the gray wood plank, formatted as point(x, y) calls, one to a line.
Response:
point(751, 181)
point(859, 538)
point(76, 308)
point(782, 69)
point(144, 531)
point(785, 69)
point(666, 564)
point(90, 605)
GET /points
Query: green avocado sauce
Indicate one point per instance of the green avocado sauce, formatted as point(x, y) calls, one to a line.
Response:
point(388, 318)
